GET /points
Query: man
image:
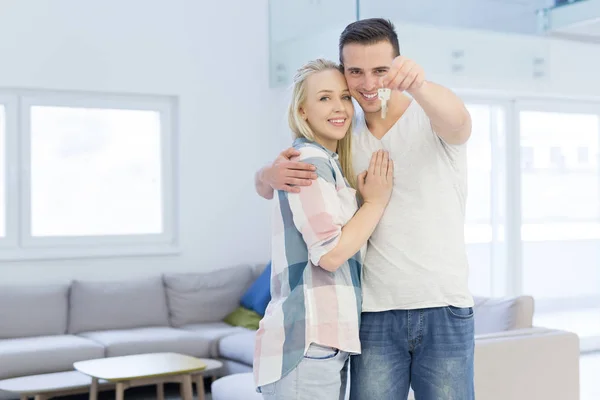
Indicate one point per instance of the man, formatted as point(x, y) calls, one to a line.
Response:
point(417, 324)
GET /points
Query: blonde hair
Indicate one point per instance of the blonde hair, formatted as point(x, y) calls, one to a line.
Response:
point(300, 126)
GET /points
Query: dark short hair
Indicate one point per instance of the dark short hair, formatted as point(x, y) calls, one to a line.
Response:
point(369, 31)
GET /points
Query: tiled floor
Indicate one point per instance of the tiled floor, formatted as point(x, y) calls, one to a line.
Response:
point(589, 372)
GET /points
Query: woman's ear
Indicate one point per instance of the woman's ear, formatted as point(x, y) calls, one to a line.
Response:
point(302, 113)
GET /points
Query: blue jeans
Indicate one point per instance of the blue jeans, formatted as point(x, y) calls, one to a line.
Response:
point(429, 349)
point(321, 375)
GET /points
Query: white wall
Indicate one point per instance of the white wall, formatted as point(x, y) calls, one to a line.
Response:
point(216, 54)
point(214, 57)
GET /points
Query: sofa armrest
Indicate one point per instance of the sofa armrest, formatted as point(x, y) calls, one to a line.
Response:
point(534, 363)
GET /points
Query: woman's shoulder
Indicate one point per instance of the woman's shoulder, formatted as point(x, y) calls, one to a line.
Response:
point(316, 155)
point(310, 150)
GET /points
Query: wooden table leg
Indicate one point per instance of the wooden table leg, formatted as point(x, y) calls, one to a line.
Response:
point(199, 381)
point(94, 389)
point(186, 388)
point(24, 397)
point(40, 397)
point(120, 391)
point(160, 391)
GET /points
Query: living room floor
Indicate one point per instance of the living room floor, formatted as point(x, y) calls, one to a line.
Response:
point(589, 367)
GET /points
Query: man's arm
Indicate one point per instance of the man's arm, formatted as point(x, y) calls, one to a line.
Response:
point(449, 117)
point(263, 189)
point(284, 174)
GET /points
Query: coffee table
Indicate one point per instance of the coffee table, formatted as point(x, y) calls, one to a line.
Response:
point(149, 369)
point(47, 386)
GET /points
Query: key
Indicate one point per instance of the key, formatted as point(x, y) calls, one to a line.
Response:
point(384, 95)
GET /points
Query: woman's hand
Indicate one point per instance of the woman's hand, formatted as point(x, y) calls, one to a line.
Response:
point(375, 184)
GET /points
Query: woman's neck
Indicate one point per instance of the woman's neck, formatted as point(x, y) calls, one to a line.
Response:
point(329, 144)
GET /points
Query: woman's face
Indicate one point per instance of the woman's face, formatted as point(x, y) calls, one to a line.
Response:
point(328, 107)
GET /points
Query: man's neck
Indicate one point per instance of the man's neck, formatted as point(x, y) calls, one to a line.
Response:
point(397, 105)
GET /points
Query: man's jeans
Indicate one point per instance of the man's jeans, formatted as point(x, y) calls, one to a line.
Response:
point(429, 349)
point(321, 375)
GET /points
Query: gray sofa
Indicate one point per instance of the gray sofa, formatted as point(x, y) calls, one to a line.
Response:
point(46, 328)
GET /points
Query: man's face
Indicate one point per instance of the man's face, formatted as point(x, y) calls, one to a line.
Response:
point(364, 67)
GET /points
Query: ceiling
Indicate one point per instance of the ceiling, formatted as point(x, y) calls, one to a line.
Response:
point(578, 21)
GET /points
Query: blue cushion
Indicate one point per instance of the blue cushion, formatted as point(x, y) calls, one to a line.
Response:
point(258, 295)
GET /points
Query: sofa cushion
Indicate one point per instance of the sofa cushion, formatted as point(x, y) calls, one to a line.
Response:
point(238, 347)
point(235, 387)
point(46, 308)
point(117, 305)
point(150, 340)
point(205, 297)
point(213, 332)
point(258, 295)
point(44, 354)
point(502, 314)
point(231, 367)
point(243, 317)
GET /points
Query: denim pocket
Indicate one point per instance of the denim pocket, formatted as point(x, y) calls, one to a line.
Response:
point(318, 352)
point(458, 312)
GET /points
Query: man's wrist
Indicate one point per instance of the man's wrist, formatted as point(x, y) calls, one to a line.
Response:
point(418, 91)
point(264, 177)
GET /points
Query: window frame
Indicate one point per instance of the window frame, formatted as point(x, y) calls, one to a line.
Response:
point(21, 244)
point(500, 272)
point(11, 181)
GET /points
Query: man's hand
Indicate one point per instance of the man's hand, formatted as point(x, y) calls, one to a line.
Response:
point(404, 75)
point(288, 175)
point(449, 117)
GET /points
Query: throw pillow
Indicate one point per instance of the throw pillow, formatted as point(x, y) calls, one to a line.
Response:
point(258, 295)
point(243, 317)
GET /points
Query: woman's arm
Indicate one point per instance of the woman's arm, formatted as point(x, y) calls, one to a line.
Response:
point(316, 210)
point(353, 236)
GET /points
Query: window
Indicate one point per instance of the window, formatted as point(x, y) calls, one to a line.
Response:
point(583, 156)
point(96, 176)
point(483, 222)
point(557, 159)
point(560, 200)
point(106, 181)
point(480, 167)
point(527, 158)
point(560, 215)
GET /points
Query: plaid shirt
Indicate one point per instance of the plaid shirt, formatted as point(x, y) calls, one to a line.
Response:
point(309, 304)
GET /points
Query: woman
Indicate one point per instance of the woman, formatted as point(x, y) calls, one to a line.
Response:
point(311, 325)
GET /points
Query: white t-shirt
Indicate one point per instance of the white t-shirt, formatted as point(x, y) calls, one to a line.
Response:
point(416, 257)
